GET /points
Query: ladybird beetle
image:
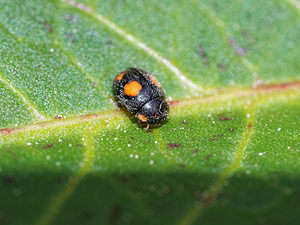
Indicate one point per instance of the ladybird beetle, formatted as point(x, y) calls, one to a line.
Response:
point(142, 95)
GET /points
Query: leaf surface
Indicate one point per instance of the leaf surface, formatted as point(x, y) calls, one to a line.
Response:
point(229, 152)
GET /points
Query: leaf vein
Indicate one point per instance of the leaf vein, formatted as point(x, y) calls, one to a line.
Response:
point(136, 42)
point(271, 92)
point(57, 203)
point(192, 215)
point(34, 111)
point(78, 65)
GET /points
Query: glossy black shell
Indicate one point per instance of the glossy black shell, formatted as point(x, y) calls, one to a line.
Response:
point(150, 101)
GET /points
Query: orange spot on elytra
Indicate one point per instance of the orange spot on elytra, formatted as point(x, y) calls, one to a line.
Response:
point(142, 118)
point(133, 88)
point(153, 79)
point(120, 76)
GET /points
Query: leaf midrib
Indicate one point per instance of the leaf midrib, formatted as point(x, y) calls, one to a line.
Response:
point(266, 92)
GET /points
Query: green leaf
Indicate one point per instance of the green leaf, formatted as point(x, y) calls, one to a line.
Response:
point(229, 153)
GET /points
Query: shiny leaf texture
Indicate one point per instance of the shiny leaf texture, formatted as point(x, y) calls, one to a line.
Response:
point(229, 153)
